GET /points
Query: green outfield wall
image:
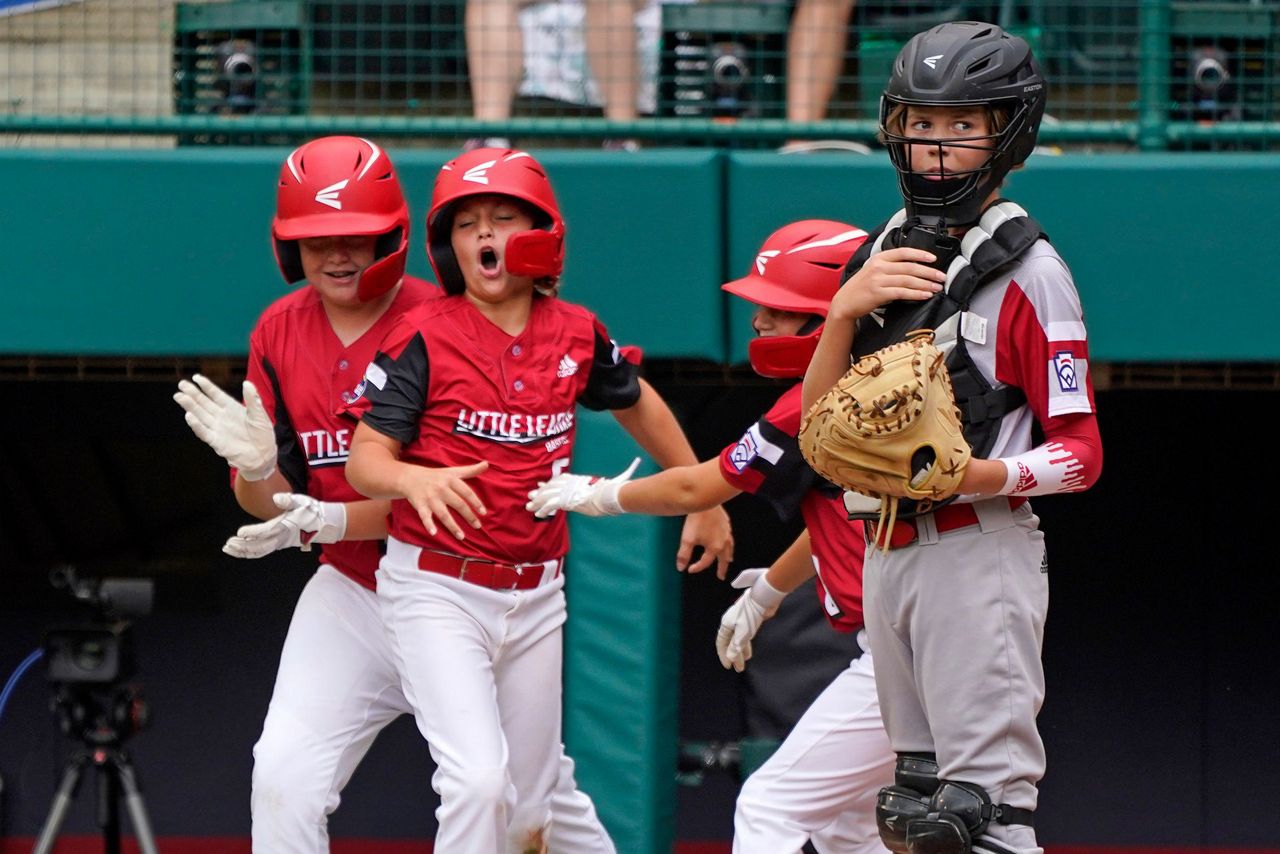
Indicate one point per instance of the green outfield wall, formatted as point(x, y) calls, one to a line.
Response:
point(1171, 252)
point(166, 252)
point(622, 654)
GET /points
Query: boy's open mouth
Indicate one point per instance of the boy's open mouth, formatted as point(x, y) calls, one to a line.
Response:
point(488, 259)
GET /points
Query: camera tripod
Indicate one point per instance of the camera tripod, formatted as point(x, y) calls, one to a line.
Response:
point(115, 772)
point(102, 717)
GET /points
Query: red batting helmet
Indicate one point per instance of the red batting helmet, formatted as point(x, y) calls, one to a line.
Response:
point(506, 172)
point(797, 269)
point(337, 186)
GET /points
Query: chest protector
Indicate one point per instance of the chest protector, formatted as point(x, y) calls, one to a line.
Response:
point(988, 249)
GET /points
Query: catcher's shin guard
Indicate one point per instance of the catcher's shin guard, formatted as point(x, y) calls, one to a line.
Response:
point(915, 780)
point(958, 813)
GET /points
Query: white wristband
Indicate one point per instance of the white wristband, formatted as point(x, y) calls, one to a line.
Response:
point(766, 594)
point(334, 527)
point(607, 499)
point(254, 475)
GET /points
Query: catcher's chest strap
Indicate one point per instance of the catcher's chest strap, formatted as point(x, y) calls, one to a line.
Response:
point(1000, 237)
point(978, 403)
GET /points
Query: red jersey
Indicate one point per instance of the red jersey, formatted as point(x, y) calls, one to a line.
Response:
point(454, 389)
point(305, 376)
point(767, 462)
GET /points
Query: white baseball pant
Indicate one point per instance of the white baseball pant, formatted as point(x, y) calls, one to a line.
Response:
point(336, 688)
point(822, 782)
point(481, 669)
point(957, 621)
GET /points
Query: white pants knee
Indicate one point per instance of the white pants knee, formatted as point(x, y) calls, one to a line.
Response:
point(481, 669)
point(822, 782)
point(335, 690)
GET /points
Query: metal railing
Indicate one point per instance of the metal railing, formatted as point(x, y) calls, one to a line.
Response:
point(1143, 74)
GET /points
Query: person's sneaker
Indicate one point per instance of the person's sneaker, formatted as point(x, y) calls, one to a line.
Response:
point(620, 145)
point(486, 142)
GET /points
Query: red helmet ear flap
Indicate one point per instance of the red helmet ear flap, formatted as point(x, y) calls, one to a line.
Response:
point(391, 251)
point(783, 357)
point(536, 253)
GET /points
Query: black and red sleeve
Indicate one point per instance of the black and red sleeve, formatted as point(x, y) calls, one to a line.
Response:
point(614, 381)
point(767, 461)
point(291, 459)
point(393, 392)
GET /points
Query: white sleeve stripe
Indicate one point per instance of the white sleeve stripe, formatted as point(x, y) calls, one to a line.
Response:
point(1047, 285)
point(1069, 406)
point(376, 375)
point(1065, 330)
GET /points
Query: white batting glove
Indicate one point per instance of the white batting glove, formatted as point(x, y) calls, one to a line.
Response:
point(240, 433)
point(743, 618)
point(590, 496)
point(305, 521)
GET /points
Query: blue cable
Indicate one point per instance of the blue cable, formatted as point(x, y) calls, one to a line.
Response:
point(17, 674)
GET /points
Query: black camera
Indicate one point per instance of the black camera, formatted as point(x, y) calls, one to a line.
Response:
point(1223, 78)
point(722, 60)
point(1210, 86)
point(730, 74)
point(89, 663)
point(236, 61)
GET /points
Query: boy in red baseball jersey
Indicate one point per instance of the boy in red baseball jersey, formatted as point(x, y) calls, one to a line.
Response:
point(469, 405)
point(821, 784)
point(341, 225)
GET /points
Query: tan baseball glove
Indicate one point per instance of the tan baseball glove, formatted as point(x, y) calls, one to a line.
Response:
point(890, 429)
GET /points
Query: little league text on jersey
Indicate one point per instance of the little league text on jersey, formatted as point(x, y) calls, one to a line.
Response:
point(324, 448)
point(518, 428)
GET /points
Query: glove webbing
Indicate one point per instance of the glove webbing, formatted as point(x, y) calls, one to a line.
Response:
point(889, 511)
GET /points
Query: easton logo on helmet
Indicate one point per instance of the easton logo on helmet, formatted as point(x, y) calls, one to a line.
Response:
point(329, 195)
point(479, 174)
point(763, 258)
point(932, 61)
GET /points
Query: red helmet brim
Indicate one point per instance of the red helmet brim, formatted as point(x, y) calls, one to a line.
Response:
point(761, 291)
point(336, 224)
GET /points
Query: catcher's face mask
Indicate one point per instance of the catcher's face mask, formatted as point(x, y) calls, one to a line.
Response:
point(962, 64)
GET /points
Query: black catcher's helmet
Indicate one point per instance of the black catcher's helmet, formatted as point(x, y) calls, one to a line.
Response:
point(964, 63)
